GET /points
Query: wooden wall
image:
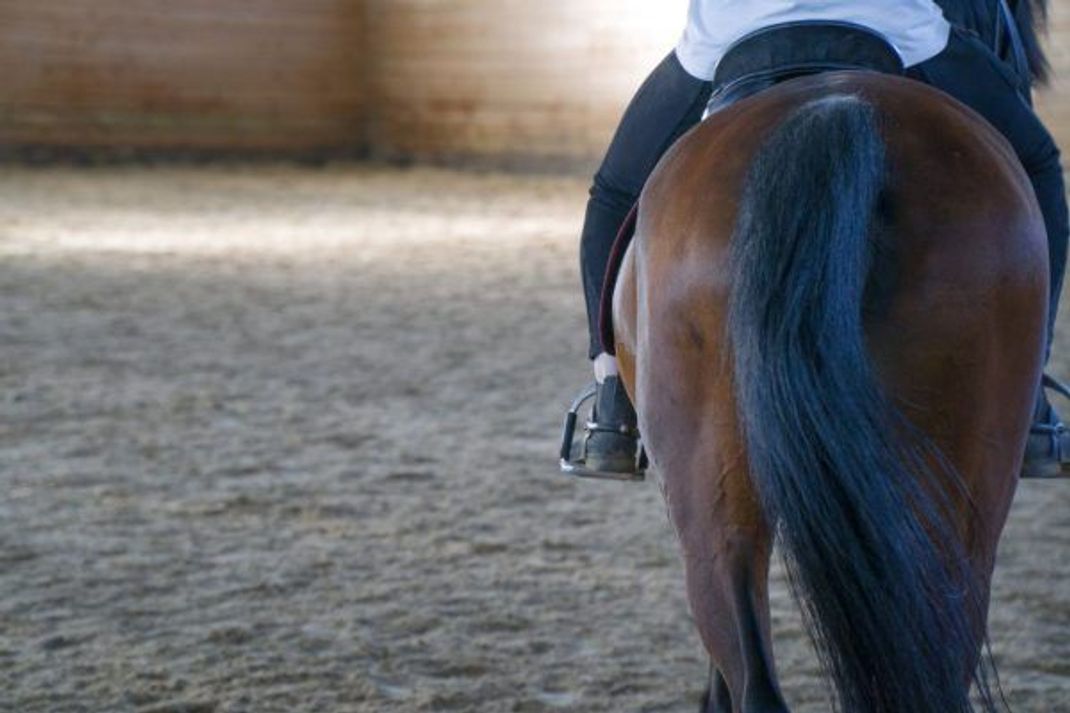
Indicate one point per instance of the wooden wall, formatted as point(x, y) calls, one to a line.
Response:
point(546, 80)
point(182, 74)
point(425, 79)
point(493, 81)
point(510, 77)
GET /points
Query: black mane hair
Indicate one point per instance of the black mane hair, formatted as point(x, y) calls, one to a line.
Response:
point(983, 16)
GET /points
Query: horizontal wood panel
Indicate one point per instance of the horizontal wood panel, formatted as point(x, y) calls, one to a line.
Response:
point(199, 73)
point(472, 77)
point(422, 79)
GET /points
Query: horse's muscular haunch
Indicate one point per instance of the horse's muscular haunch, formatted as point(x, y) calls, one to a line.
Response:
point(860, 374)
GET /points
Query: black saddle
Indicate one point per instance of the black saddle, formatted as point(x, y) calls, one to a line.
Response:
point(781, 52)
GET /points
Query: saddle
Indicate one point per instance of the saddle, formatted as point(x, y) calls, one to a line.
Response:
point(757, 62)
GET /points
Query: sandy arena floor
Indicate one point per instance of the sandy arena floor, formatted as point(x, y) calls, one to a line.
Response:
point(283, 440)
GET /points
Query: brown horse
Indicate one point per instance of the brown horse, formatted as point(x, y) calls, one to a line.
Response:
point(831, 321)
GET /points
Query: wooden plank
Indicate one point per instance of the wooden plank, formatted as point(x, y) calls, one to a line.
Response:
point(197, 74)
point(473, 78)
point(508, 80)
point(512, 78)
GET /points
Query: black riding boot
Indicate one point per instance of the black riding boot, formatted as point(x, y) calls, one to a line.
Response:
point(610, 448)
point(612, 442)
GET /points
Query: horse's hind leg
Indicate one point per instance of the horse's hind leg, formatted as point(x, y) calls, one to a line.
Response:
point(717, 698)
point(687, 415)
point(689, 425)
point(727, 545)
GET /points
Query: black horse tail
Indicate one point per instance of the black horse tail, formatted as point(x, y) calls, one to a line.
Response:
point(889, 599)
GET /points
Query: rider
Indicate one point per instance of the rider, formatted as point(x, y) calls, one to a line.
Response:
point(674, 97)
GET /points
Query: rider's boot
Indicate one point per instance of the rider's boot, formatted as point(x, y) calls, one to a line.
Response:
point(668, 104)
point(610, 448)
point(1047, 450)
point(612, 441)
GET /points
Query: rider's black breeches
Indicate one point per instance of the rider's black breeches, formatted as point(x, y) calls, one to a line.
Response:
point(669, 103)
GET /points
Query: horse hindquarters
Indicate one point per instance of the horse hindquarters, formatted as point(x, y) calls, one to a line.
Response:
point(955, 335)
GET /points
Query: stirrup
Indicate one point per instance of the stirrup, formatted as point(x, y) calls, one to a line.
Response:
point(1056, 432)
point(577, 466)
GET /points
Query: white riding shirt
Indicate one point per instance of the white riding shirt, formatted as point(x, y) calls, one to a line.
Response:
point(917, 29)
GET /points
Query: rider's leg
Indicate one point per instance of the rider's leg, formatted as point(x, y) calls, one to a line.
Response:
point(968, 71)
point(669, 103)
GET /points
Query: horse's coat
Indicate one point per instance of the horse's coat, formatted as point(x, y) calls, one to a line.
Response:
point(953, 318)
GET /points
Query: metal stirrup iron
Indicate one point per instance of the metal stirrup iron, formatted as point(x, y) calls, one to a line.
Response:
point(1057, 437)
point(578, 466)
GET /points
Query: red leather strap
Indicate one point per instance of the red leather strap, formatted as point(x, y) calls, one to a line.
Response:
point(616, 257)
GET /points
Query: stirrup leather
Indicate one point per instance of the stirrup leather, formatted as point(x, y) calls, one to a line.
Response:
point(1050, 382)
point(578, 466)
